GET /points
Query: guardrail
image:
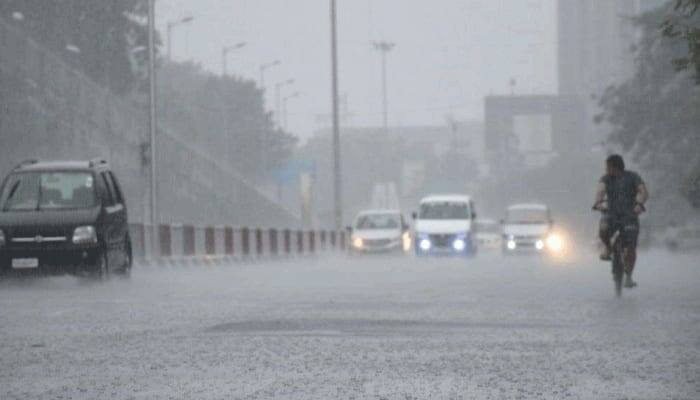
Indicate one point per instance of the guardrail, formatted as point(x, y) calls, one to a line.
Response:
point(190, 243)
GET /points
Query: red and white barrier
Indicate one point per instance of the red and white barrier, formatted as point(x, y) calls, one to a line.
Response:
point(187, 243)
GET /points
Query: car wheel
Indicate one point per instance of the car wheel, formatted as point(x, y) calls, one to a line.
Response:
point(100, 270)
point(125, 270)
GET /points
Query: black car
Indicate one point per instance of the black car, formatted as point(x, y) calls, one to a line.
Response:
point(63, 217)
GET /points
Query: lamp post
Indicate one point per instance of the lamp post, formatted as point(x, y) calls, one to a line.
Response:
point(337, 183)
point(171, 26)
point(265, 67)
point(384, 48)
point(284, 107)
point(224, 56)
point(278, 94)
point(152, 125)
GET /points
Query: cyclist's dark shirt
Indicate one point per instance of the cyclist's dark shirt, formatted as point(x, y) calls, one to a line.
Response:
point(621, 193)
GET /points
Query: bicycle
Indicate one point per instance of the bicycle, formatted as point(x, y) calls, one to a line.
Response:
point(617, 259)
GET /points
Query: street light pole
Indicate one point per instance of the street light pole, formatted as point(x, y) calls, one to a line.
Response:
point(278, 94)
point(224, 56)
point(337, 178)
point(263, 68)
point(169, 30)
point(384, 48)
point(284, 118)
point(152, 126)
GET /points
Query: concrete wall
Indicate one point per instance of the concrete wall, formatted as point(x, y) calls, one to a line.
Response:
point(51, 111)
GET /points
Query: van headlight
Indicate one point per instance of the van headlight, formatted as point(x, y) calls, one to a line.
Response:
point(424, 242)
point(85, 235)
point(2, 238)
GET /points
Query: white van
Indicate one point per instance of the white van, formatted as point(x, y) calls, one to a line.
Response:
point(445, 225)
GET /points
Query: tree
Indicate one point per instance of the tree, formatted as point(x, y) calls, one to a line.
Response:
point(223, 116)
point(655, 115)
point(681, 24)
point(102, 38)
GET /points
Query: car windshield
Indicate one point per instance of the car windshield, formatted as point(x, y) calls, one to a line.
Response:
point(378, 221)
point(27, 191)
point(444, 210)
point(527, 216)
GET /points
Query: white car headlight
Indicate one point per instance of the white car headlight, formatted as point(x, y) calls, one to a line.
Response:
point(406, 241)
point(459, 244)
point(357, 242)
point(85, 235)
point(555, 243)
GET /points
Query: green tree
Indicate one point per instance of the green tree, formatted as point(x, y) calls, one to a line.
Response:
point(102, 38)
point(225, 117)
point(682, 24)
point(655, 115)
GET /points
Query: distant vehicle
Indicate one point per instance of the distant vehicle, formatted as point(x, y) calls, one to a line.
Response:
point(63, 217)
point(380, 231)
point(445, 225)
point(528, 228)
point(488, 233)
point(686, 238)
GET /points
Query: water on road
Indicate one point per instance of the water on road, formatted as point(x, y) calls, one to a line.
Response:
point(376, 328)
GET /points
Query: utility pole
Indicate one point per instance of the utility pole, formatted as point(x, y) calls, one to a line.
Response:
point(169, 32)
point(224, 56)
point(152, 119)
point(278, 98)
point(337, 181)
point(284, 118)
point(384, 48)
point(263, 68)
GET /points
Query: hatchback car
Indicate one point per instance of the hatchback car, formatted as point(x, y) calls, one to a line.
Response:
point(63, 217)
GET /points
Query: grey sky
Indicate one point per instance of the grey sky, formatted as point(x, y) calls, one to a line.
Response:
point(449, 53)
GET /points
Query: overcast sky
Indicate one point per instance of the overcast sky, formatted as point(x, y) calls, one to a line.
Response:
point(449, 54)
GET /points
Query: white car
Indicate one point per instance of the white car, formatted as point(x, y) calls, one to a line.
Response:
point(489, 234)
point(529, 228)
point(444, 225)
point(380, 231)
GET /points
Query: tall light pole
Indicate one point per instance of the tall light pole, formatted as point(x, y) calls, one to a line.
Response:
point(265, 67)
point(337, 178)
point(224, 56)
point(284, 108)
point(169, 30)
point(384, 48)
point(152, 126)
point(278, 94)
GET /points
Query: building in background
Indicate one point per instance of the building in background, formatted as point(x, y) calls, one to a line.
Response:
point(524, 132)
point(595, 42)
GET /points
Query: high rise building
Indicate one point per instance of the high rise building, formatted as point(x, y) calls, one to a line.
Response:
point(595, 40)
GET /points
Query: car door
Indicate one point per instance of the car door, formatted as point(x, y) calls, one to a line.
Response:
point(110, 212)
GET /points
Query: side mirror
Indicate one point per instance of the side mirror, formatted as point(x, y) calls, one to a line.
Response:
point(348, 228)
point(414, 215)
point(473, 215)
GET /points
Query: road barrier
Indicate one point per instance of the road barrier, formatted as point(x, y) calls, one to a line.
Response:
point(187, 243)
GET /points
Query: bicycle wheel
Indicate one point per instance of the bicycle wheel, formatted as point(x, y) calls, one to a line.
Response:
point(618, 269)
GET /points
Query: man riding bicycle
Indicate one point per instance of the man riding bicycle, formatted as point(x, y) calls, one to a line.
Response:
point(621, 196)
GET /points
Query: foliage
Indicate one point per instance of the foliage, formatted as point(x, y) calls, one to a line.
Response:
point(102, 38)
point(681, 24)
point(656, 114)
point(225, 117)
